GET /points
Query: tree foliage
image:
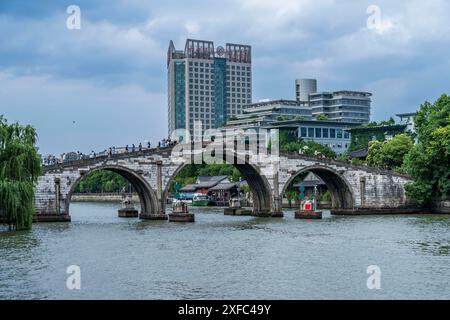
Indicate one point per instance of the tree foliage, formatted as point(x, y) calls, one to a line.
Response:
point(428, 162)
point(308, 148)
point(20, 167)
point(322, 117)
point(102, 181)
point(389, 154)
point(361, 136)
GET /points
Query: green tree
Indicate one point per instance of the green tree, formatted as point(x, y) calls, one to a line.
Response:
point(308, 148)
point(428, 162)
point(102, 181)
point(389, 154)
point(291, 195)
point(20, 166)
point(322, 117)
point(362, 135)
point(343, 157)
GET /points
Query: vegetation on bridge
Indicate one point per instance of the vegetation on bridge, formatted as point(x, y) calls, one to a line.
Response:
point(20, 166)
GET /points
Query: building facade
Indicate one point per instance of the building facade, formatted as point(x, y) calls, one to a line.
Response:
point(333, 134)
point(408, 120)
point(345, 106)
point(296, 118)
point(362, 135)
point(264, 113)
point(207, 85)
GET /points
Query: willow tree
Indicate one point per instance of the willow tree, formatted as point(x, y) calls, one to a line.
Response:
point(20, 167)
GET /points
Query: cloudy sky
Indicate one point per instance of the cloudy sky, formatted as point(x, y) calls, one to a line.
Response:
point(106, 84)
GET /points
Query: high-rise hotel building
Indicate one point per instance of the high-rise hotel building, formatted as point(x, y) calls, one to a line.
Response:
point(207, 85)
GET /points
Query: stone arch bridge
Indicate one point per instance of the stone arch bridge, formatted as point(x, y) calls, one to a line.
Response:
point(354, 189)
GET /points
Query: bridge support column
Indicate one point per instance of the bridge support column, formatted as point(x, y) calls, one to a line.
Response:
point(362, 182)
point(277, 210)
point(277, 199)
point(160, 212)
point(52, 211)
point(57, 196)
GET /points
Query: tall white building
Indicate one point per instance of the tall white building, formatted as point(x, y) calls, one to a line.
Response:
point(207, 85)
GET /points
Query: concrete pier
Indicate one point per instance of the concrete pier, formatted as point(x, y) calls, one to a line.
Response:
point(302, 214)
point(181, 217)
point(180, 213)
point(128, 213)
point(237, 212)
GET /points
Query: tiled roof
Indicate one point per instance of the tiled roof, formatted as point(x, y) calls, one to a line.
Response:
point(224, 186)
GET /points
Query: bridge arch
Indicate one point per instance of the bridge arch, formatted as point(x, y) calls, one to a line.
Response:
point(257, 182)
point(342, 194)
point(147, 196)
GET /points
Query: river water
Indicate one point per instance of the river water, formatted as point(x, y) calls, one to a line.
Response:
point(225, 257)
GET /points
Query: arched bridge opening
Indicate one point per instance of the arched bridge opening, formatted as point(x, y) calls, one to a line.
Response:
point(257, 183)
point(147, 197)
point(342, 196)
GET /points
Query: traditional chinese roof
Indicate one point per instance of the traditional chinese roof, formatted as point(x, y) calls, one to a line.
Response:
point(217, 179)
point(360, 154)
point(311, 180)
point(224, 186)
point(204, 183)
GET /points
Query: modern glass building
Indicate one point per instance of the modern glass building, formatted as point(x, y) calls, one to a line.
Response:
point(207, 85)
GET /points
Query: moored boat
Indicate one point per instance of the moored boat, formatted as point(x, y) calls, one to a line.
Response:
point(200, 200)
